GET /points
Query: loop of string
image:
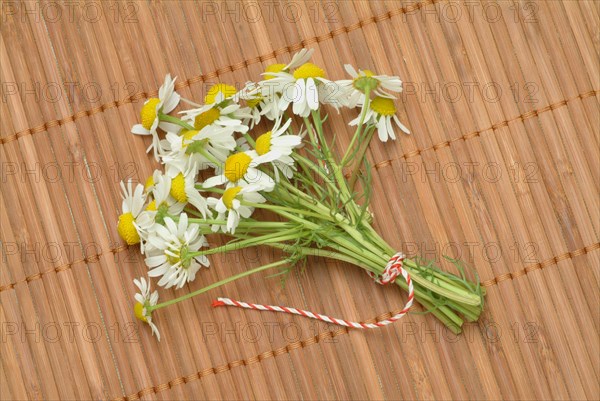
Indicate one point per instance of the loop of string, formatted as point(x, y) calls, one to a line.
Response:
point(392, 270)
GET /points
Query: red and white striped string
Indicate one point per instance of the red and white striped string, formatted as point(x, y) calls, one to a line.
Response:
point(392, 270)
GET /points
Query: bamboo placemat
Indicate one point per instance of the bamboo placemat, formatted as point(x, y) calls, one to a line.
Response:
point(502, 170)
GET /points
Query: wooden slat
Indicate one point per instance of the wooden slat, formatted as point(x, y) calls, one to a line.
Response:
point(531, 231)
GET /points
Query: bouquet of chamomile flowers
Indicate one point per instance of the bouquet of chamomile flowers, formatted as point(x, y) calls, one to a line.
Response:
point(220, 168)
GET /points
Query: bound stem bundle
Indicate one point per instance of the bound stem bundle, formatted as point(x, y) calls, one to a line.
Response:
point(316, 199)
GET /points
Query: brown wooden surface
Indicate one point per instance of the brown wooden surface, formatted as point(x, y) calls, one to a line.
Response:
point(502, 169)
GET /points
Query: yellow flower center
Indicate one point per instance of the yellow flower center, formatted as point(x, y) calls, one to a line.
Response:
point(148, 112)
point(273, 68)
point(309, 70)
point(383, 106)
point(229, 195)
point(138, 310)
point(368, 73)
point(149, 183)
point(263, 143)
point(207, 118)
point(178, 188)
point(252, 103)
point(151, 206)
point(189, 134)
point(227, 91)
point(127, 230)
point(236, 166)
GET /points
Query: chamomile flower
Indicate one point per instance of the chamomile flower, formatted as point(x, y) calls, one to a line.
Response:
point(299, 58)
point(200, 148)
point(254, 109)
point(145, 300)
point(262, 99)
point(133, 204)
point(219, 110)
point(251, 95)
point(275, 148)
point(240, 168)
point(231, 207)
point(183, 190)
point(304, 88)
point(381, 112)
point(171, 256)
point(151, 180)
point(218, 93)
point(166, 101)
point(378, 83)
point(161, 205)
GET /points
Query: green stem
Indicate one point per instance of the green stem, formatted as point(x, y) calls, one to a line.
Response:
point(319, 171)
point(444, 314)
point(212, 189)
point(358, 131)
point(175, 120)
point(217, 284)
point(279, 236)
point(250, 140)
point(210, 157)
point(277, 208)
point(451, 292)
point(338, 174)
point(438, 283)
point(359, 162)
point(248, 223)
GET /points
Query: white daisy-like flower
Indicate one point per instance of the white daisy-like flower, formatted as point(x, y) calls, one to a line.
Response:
point(161, 205)
point(145, 300)
point(255, 110)
point(381, 112)
point(262, 99)
point(151, 180)
point(251, 94)
point(275, 148)
point(183, 190)
point(171, 255)
point(379, 84)
point(160, 193)
point(166, 101)
point(305, 88)
point(133, 204)
point(241, 169)
point(199, 148)
point(220, 110)
point(299, 58)
point(231, 207)
point(218, 93)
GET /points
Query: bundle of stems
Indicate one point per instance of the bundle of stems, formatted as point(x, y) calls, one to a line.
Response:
point(319, 213)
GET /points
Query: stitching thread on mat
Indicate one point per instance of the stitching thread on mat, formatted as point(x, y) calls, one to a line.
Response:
point(95, 258)
point(230, 365)
point(494, 127)
point(540, 265)
point(329, 334)
point(223, 70)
